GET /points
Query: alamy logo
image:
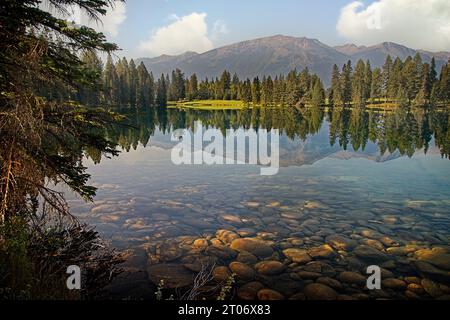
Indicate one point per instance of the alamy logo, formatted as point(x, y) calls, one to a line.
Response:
point(374, 281)
point(74, 280)
point(237, 147)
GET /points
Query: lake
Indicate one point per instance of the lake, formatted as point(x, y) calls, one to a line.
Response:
point(356, 188)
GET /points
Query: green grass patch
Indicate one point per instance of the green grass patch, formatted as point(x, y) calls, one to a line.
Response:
point(208, 104)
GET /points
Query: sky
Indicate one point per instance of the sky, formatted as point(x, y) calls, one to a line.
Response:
point(149, 28)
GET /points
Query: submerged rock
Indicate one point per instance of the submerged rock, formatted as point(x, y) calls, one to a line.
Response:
point(226, 236)
point(436, 256)
point(254, 246)
point(324, 252)
point(201, 243)
point(297, 255)
point(318, 291)
point(249, 291)
point(330, 282)
point(221, 251)
point(369, 253)
point(267, 294)
point(352, 278)
point(395, 284)
point(341, 243)
point(242, 271)
point(221, 274)
point(270, 267)
point(247, 258)
point(432, 288)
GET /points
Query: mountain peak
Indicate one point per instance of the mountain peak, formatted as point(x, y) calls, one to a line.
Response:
point(279, 54)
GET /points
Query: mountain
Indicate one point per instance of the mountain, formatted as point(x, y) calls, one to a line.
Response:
point(266, 56)
point(377, 54)
point(278, 55)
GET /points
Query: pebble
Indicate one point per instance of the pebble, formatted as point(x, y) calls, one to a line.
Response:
point(256, 247)
point(318, 291)
point(435, 256)
point(324, 252)
point(432, 288)
point(221, 251)
point(297, 255)
point(247, 258)
point(221, 274)
point(394, 284)
point(267, 294)
point(369, 253)
point(249, 291)
point(416, 288)
point(270, 267)
point(242, 271)
point(201, 243)
point(330, 282)
point(341, 243)
point(352, 278)
point(298, 296)
point(226, 236)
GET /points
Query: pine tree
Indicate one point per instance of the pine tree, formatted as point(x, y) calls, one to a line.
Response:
point(358, 83)
point(110, 82)
point(235, 87)
point(246, 91)
point(151, 90)
point(377, 84)
point(193, 88)
point(224, 86)
point(304, 80)
point(396, 79)
point(318, 93)
point(267, 91)
point(123, 77)
point(93, 67)
point(132, 83)
point(387, 76)
point(294, 92)
point(346, 82)
point(433, 72)
point(444, 84)
point(424, 93)
point(161, 92)
point(143, 86)
point(256, 91)
point(368, 80)
point(336, 90)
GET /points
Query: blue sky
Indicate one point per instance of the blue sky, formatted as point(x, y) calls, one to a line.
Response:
point(152, 27)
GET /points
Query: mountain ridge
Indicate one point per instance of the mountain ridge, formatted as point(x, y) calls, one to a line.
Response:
point(280, 54)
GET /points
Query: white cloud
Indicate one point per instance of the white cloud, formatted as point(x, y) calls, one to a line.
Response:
point(113, 19)
point(416, 23)
point(219, 28)
point(187, 33)
point(109, 24)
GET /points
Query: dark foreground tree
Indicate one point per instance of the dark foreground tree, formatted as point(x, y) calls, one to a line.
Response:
point(44, 136)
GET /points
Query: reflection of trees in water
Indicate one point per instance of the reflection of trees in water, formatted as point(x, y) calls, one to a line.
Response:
point(403, 130)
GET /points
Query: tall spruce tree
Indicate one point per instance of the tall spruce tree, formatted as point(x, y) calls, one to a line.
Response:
point(346, 82)
point(336, 89)
point(387, 77)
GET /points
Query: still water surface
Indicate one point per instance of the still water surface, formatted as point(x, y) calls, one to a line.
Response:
point(356, 188)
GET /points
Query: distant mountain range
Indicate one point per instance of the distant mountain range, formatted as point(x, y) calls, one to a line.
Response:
point(280, 54)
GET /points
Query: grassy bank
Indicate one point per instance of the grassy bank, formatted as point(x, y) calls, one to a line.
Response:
point(208, 104)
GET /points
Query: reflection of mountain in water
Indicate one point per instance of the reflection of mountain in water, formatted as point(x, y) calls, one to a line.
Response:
point(307, 135)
